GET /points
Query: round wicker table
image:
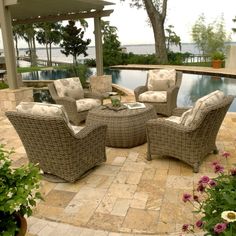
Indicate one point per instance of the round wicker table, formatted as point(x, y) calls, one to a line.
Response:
point(125, 128)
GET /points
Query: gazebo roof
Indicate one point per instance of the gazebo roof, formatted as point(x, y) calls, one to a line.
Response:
point(25, 11)
point(29, 11)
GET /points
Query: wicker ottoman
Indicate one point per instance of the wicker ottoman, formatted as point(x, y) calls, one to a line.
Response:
point(126, 128)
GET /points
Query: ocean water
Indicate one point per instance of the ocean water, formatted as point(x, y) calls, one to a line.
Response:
point(136, 49)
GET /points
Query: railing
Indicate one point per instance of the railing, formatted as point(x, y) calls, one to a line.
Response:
point(197, 58)
point(43, 62)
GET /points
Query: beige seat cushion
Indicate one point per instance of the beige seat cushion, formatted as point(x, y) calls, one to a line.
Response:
point(46, 109)
point(191, 116)
point(86, 104)
point(161, 80)
point(70, 87)
point(153, 96)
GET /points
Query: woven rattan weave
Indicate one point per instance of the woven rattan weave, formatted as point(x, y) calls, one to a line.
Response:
point(163, 108)
point(70, 105)
point(188, 144)
point(125, 128)
point(51, 143)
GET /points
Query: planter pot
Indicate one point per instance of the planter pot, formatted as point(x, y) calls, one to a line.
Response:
point(217, 64)
point(22, 223)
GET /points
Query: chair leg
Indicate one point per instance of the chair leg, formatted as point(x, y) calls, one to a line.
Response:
point(215, 151)
point(196, 167)
point(149, 157)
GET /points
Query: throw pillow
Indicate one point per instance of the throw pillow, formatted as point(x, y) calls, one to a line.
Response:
point(70, 87)
point(161, 80)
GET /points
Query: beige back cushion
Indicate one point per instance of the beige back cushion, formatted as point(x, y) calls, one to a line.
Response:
point(43, 109)
point(191, 116)
point(101, 84)
point(70, 87)
point(161, 80)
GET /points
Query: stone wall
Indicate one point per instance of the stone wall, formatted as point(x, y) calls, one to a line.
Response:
point(10, 98)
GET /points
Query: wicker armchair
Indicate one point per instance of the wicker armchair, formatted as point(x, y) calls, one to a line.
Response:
point(188, 144)
point(70, 104)
point(163, 108)
point(60, 152)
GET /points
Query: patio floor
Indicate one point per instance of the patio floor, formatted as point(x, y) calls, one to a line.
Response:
point(127, 195)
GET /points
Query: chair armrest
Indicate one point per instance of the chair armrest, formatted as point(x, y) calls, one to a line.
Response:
point(160, 124)
point(88, 94)
point(96, 129)
point(64, 99)
point(139, 90)
point(178, 111)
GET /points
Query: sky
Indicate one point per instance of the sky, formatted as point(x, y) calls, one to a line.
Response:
point(133, 26)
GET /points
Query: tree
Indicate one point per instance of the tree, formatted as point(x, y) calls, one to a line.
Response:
point(156, 11)
point(209, 38)
point(172, 38)
point(17, 34)
point(111, 45)
point(48, 34)
point(72, 41)
point(27, 32)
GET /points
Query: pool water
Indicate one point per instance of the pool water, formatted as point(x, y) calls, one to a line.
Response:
point(193, 86)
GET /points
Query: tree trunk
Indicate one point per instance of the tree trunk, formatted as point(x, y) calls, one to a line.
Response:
point(34, 56)
point(48, 57)
point(50, 54)
point(157, 20)
point(17, 51)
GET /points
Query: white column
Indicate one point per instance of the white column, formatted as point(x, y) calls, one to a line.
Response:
point(98, 45)
point(9, 51)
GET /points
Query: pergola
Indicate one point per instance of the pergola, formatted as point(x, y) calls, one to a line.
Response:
point(29, 11)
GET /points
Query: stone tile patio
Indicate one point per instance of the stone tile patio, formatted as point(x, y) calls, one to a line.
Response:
point(127, 195)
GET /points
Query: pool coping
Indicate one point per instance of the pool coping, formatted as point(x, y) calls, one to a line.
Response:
point(228, 72)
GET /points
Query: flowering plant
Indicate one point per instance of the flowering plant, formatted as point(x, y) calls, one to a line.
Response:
point(18, 192)
point(215, 200)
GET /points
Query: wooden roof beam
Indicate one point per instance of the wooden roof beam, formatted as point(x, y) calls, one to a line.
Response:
point(69, 16)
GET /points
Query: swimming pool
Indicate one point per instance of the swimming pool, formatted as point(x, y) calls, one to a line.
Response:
point(193, 86)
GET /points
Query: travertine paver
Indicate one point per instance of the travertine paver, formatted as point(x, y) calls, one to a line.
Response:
point(127, 195)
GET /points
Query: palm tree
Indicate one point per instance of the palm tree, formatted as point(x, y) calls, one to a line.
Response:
point(48, 34)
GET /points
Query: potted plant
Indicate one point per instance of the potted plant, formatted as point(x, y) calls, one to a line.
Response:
point(217, 59)
point(18, 194)
point(215, 201)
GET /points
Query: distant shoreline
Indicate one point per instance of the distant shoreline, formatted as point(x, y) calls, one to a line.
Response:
point(125, 45)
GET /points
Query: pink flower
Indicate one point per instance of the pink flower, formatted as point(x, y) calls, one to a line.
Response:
point(226, 154)
point(185, 227)
point(186, 197)
point(200, 188)
point(212, 183)
point(220, 227)
point(218, 168)
point(204, 180)
point(233, 171)
point(214, 163)
point(199, 223)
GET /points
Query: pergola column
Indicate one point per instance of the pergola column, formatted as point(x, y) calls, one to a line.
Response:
point(9, 50)
point(98, 45)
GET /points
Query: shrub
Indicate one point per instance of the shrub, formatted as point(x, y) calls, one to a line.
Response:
point(3, 85)
point(18, 192)
point(215, 200)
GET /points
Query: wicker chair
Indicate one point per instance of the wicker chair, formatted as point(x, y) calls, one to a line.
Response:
point(188, 144)
point(70, 104)
point(51, 143)
point(163, 108)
